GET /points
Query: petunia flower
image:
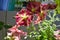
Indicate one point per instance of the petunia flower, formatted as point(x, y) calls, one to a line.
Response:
point(13, 29)
point(43, 11)
point(44, 6)
point(52, 6)
point(23, 17)
point(33, 6)
point(16, 33)
point(57, 34)
point(40, 16)
point(48, 6)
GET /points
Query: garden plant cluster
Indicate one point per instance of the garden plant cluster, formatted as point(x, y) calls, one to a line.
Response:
point(35, 13)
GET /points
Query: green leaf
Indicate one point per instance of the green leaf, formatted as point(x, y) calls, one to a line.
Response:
point(49, 15)
point(57, 19)
point(1, 25)
point(54, 27)
point(54, 14)
point(58, 5)
point(7, 26)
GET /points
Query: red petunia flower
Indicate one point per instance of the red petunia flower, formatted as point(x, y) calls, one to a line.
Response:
point(43, 11)
point(23, 18)
point(40, 16)
point(33, 6)
point(52, 6)
point(44, 6)
point(48, 6)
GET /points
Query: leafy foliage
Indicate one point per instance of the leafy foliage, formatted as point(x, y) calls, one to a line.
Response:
point(4, 25)
point(45, 29)
point(58, 5)
point(7, 26)
point(1, 25)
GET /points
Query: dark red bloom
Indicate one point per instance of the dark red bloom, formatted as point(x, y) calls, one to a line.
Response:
point(52, 6)
point(48, 6)
point(33, 6)
point(40, 16)
point(44, 6)
point(23, 18)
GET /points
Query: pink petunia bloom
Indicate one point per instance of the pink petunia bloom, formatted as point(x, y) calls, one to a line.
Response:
point(57, 34)
point(13, 29)
point(23, 17)
point(33, 6)
point(16, 33)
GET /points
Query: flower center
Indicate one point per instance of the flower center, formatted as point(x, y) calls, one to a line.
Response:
point(24, 16)
point(33, 9)
point(41, 13)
